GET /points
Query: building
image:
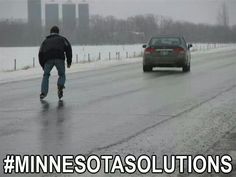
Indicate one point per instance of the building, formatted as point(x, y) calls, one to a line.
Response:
point(69, 17)
point(34, 13)
point(83, 28)
point(73, 21)
point(51, 15)
point(35, 20)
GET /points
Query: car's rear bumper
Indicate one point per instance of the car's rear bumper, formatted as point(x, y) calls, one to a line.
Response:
point(164, 62)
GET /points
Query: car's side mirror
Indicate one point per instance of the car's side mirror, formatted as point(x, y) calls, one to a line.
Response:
point(145, 46)
point(190, 46)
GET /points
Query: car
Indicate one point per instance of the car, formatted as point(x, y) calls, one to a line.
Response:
point(167, 51)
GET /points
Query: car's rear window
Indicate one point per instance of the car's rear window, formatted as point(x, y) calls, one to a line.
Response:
point(165, 41)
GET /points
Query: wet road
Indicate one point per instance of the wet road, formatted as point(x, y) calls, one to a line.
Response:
point(123, 110)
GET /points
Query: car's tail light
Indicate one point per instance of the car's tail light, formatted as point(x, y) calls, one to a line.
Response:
point(149, 50)
point(179, 50)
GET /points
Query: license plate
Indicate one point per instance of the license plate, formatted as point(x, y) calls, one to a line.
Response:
point(164, 53)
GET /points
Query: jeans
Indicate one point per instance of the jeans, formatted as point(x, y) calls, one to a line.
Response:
point(60, 65)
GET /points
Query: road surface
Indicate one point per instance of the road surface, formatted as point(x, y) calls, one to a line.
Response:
point(121, 110)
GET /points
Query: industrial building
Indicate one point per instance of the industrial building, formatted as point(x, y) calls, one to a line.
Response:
point(35, 20)
point(51, 15)
point(73, 21)
point(69, 17)
point(83, 22)
point(34, 13)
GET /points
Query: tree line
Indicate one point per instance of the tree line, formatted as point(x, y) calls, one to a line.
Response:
point(110, 30)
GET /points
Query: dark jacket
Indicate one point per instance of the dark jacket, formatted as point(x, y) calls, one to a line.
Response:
point(55, 47)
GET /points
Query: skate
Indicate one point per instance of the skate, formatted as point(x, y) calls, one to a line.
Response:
point(42, 96)
point(60, 91)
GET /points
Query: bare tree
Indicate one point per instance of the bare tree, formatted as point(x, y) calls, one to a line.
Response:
point(136, 29)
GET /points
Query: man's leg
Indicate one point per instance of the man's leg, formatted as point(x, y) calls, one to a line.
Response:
point(60, 65)
point(45, 82)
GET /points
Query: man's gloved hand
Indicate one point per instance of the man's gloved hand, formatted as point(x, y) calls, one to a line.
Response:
point(68, 65)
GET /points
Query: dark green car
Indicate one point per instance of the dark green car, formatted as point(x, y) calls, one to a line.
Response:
point(167, 51)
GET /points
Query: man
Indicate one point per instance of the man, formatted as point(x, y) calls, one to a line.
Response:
point(52, 53)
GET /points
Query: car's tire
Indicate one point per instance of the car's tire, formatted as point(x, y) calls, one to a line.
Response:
point(186, 68)
point(147, 68)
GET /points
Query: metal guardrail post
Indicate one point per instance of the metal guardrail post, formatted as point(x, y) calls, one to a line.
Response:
point(77, 58)
point(14, 64)
point(33, 62)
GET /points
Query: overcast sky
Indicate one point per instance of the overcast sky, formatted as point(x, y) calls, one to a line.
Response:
point(197, 11)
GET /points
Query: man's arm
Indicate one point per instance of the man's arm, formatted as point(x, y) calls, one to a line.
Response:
point(68, 50)
point(41, 56)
